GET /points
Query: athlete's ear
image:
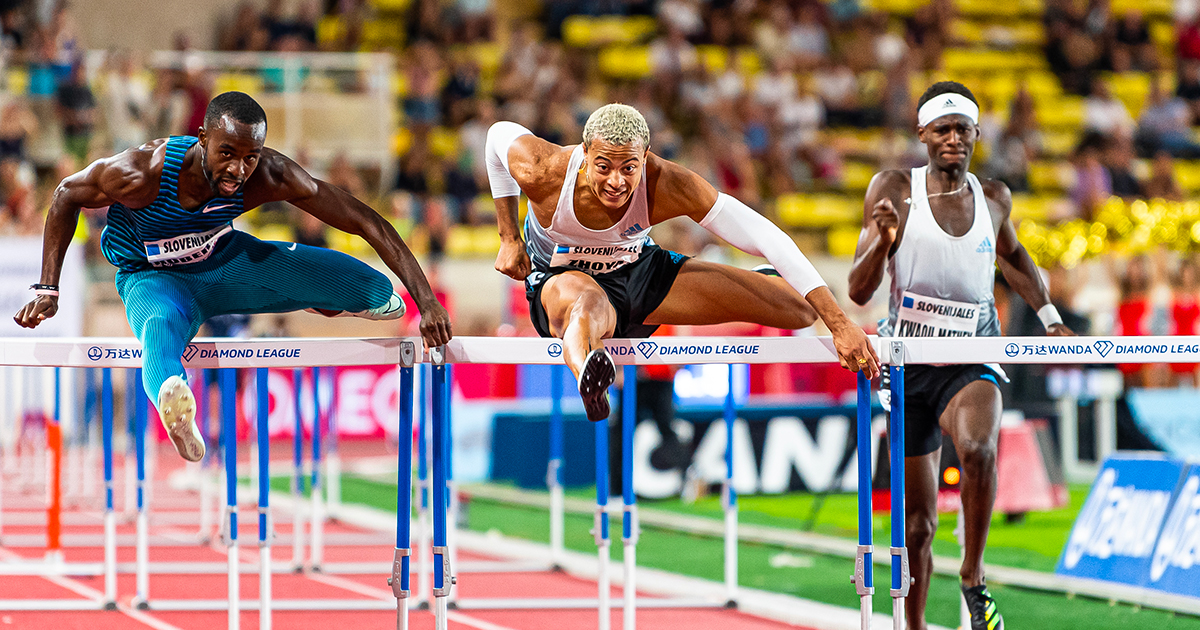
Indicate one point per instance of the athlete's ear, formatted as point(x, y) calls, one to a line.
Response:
point(921, 134)
point(200, 135)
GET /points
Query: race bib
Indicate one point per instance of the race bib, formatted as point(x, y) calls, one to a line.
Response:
point(595, 259)
point(920, 316)
point(184, 249)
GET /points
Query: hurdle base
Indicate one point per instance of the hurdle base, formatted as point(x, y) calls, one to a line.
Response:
point(421, 605)
point(570, 603)
point(731, 604)
point(110, 605)
point(201, 605)
point(52, 605)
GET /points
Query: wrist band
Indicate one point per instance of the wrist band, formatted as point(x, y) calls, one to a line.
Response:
point(45, 289)
point(1049, 316)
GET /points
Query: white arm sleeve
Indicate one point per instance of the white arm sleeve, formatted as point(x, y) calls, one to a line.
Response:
point(499, 138)
point(755, 234)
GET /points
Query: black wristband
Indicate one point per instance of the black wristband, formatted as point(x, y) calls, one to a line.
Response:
point(46, 287)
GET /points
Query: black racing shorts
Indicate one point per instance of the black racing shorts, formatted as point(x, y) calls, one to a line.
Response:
point(634, 291)
point(928, 390)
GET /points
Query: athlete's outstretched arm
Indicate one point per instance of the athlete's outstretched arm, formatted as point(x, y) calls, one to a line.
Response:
point(682, 192)
point(339, 209)
point(515, 162)
point(880, 227)
point(119, 178)
point(1018, 267)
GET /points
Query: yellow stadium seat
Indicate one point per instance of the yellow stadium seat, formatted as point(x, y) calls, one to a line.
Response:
point(1131, 88)
point(818, 211)
point(856, 176)
point(390, 6)
point(842, 240)
point(1050, 176)
point(1058, 142)
point(748, 61)
point(443, 142)
point(582, 31)
point(1064, 112)
point(1187, 173)
point(238, 82)
point(1148, 8)
point(488, 56)
point(459, 241)
point(625, 62)
point(485, 240)
point(331, 29)
point(959, 61)
point(715, 58)
point(382, 34)
point(275, 232)
point(399, 84)
point(402, 141)
point(16, 81)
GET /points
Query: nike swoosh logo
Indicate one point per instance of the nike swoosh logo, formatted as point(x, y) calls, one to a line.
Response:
point(211, 208)
point(292, 248)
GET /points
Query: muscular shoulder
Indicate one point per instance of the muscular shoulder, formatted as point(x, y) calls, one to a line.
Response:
point(998, 196)
point(675, 190)
point(278, 178)
point(538, 166)
point(891, 182)
point(130, 177)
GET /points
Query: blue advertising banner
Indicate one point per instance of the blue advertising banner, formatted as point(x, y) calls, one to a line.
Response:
point(1117, 534)
point(1175, 566)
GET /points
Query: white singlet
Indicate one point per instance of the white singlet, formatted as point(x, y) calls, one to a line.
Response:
point(942, 285)
point(567, 243)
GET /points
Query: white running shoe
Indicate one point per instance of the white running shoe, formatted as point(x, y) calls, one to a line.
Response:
point(177, 410)
point(393, 309)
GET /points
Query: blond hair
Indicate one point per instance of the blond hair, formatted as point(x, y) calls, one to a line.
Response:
point(616, 124)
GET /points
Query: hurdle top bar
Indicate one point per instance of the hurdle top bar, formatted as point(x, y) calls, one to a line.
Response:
point(305, 352)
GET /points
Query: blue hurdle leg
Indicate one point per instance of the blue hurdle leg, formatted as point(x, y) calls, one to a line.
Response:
point(399, 581)
point(629, 534)
point(729, 500)
point(316, 554)
point(554, 469)
point(600, 528)
point(864, 580)
point(138, 415)
point(264, 501)
point(425, 568)
point(442, 573)
point(229, 439)
point(901, 578)
point(110, 516)
point(297, 475)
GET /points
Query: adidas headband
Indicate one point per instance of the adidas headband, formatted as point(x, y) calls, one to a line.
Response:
point(945, 105)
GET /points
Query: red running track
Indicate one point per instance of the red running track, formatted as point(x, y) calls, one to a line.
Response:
point(179, 543)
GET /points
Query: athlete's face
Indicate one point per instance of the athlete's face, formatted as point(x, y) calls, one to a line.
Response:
point(229, 153)
point(613, 172)
point(950, 140)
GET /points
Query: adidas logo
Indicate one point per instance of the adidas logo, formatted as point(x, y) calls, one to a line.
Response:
point(985, 247)
point(637, 227)
point(949, 103)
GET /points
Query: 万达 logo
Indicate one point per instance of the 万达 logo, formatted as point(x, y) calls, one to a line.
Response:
point(555, 350)
point(190, 351)
point(94, 353)
point(1103, 347)
point(647, 348)
point(1012, 349)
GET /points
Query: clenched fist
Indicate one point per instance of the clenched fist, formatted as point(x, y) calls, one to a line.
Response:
point(39, 309)
point(885, 217)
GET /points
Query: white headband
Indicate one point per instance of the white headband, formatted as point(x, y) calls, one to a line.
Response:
point(946, 104)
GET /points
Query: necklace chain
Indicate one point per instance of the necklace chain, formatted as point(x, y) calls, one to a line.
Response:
point(951, 192)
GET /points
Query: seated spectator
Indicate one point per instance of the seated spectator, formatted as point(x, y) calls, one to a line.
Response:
point(1166, 125)
point(18, 126)
point(1185, 315)
point(1131, 48)
point(1093, 184)
point(928, 31)
point(808, 38)
point(1162, 183)
point(1017, 145)
point(1188, 86)
point(1072, 56)
point(1103, 113)
point(126, 102)
point(18, 209)
point(76, 109)
point(1118, 161)
point(1187, 46)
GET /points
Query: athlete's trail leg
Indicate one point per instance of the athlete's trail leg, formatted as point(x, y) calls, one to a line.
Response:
point(921, 521)
point(973, 421)
point(712, 293)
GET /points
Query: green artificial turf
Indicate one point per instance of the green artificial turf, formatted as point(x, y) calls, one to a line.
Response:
point(1033, 544)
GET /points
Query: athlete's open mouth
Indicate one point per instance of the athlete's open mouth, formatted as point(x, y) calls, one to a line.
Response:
point(228, 187)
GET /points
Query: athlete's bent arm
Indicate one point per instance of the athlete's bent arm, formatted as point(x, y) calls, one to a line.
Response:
point(120, 178)
point(341, 210)
point(741, 226)
point(516, 161)
point(877, 240)
point(1018, 267)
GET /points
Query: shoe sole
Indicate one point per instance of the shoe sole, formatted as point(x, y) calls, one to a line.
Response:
point(396, 311)
point(597, 375)
point(177, 409)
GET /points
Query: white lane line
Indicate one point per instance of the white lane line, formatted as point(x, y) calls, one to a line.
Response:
point(97, 596)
